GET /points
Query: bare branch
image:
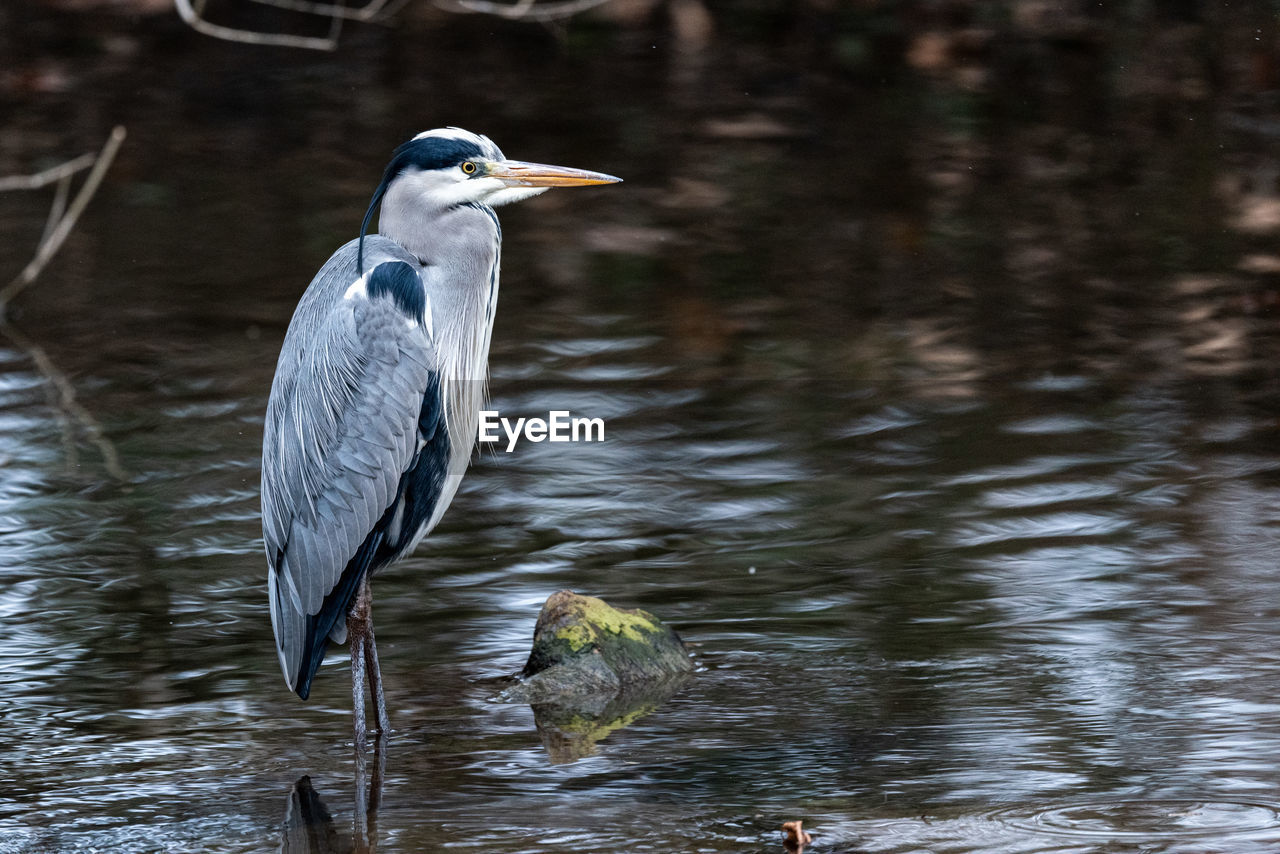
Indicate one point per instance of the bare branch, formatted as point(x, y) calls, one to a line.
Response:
point(48, 176)
point(192, 12)
point(199, 24)
point(528, 10)
point(62, 218)
point(56, 210)
point(49, 247)
point(329, 10)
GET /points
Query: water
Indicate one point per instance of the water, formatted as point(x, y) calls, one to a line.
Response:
point(940, 420)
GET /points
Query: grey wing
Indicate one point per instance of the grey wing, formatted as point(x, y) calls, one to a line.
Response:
point(341, 429)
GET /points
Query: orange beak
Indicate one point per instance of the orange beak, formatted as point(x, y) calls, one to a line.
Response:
point(517, 173)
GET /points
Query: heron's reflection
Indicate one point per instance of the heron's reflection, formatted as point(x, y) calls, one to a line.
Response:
point(569, 730)
point(308, 826)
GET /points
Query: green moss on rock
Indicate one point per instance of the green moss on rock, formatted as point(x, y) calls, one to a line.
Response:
point(582, 644)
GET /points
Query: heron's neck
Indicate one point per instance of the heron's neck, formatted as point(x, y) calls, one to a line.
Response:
point(460, 250)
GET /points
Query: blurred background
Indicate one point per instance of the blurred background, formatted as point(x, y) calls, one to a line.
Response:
point(937, 348)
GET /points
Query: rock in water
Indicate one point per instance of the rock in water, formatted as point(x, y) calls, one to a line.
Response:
point(583, 646)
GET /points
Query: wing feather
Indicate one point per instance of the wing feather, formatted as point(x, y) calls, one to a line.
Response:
point(341, 430)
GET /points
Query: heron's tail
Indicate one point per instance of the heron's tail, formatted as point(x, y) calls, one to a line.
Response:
point(335, 608)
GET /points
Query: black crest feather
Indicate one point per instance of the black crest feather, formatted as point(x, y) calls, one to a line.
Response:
point(428, 152)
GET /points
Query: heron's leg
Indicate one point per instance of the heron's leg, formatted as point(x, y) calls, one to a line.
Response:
point(357, 633)
point(375, 678)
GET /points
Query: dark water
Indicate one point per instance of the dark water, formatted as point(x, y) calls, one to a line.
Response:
point(941, 420)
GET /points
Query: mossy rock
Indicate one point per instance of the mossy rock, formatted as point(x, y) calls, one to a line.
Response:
point(584, 647)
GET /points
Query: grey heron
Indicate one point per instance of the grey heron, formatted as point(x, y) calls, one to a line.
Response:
point(374, 406)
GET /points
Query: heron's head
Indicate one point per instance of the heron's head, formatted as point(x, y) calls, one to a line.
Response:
point(447, 167)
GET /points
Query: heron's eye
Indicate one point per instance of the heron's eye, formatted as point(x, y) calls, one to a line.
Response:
point(469, 168)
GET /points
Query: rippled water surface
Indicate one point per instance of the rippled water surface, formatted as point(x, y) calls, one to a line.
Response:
point(941, 421)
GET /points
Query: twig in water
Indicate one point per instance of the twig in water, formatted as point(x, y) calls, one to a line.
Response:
point(62, 218)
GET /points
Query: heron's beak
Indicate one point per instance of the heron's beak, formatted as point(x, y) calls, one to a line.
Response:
point(517, 173)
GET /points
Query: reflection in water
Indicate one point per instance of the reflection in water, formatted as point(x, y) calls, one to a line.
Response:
point(368, 792)
point(571, 731)
point(308, 826)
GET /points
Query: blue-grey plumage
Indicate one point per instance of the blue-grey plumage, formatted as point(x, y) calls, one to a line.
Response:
point(373, 411)
point(344, 430)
